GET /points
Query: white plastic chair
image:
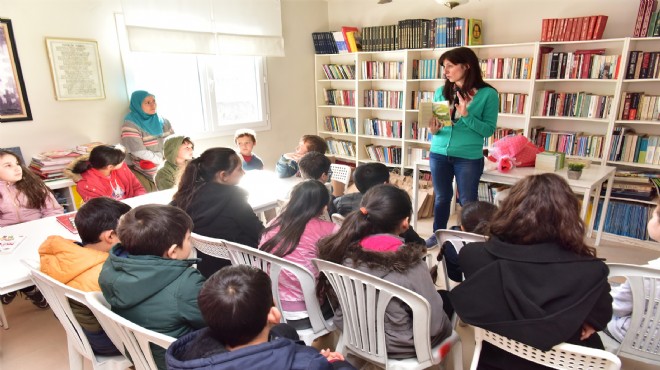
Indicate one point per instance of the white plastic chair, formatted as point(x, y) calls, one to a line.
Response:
point(337, 218)
point(444, 235)
point(642, 340)
point(134, 338)
point(363, 299)
point(211, 246)
point(562, 356)
point(58, 295)
point(273, 265)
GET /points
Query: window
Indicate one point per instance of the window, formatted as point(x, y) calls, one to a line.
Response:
point(202, 96)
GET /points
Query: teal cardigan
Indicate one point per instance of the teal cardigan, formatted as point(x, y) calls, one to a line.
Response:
point(465, 139)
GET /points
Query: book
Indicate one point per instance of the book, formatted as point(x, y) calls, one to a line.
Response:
point(68, 221)
point(438, 109)
point(351, 41)
point(475, 32)
point(9, 242)
point(342, 46)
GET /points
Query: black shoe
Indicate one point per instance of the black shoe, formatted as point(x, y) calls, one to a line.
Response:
point(7, 298)
point(36, 297)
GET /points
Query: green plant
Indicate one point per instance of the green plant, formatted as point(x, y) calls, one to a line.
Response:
point(575, 166)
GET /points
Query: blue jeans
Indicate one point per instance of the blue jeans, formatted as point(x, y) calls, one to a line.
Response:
point(443, 169)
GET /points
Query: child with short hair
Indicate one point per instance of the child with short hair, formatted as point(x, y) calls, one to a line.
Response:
point(178, 151)
point(287, 165)
point(369, 241)
point(104, 174)
point(246, 139)
point(78, 265)
point(148, 278)
point(316, 166)
point(237, 303)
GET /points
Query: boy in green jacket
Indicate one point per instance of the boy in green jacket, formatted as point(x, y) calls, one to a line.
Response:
point(178, 151)
point(148, 278)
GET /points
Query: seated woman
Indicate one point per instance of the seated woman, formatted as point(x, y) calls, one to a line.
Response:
point(369, 241)
point(103, 174)
point(293, 236)
point(535, 280)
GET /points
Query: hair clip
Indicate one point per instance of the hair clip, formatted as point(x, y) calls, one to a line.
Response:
point(363, 210)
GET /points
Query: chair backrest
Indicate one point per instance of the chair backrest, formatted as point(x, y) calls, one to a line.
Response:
point(135, 339)
point(642, 340)
point(562, 356)
point(211, 246)
point(341, 173)
point(337, 218)
point(243, 255)
point(57, 295)
point(458, 238)
point(363, 299)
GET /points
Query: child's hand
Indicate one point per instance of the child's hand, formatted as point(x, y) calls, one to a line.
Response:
point(292, 156)
point(332, 356)
point(587, 331)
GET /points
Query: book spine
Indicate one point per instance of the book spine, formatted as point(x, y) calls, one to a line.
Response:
point(650, 8)
point(640, 18)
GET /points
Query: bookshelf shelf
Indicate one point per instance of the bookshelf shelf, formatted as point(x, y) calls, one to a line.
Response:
point(589, 80)
point(562, 118)
point(635, 164)
point(637, 122)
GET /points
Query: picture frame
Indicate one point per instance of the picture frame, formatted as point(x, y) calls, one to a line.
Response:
point(14, 105)
point(75, 66)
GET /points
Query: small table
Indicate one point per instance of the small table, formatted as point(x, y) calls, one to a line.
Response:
point(589, 184)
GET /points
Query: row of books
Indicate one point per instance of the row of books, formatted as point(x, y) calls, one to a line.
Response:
point(417, 154)
point(324, 43)
point(501, 132)
point(639, 107)
point(344, 148)
point(647, 23)
point(339, 124)
point(571, 143)
point(625, 218)
point(339, 97)
point(419, 96)
point(580, 64)
point(383, 99)
point(573, 29)
point(486, 192)
point(339, 71)
point(420, 132)
point(633, 147)
point(512, 103)
point(506, 68)
point(580, 104)
point(385, 154)
point(635, 185)
point(384, 128)
point(427, 69)
point(643, 64)
point(50, 165)
point(453, 31)
point(375, 70)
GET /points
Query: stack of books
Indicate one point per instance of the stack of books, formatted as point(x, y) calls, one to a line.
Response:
point(550, 161)
point(50, 165)
point(634, 185)
point(647, 23)
point(573, 29)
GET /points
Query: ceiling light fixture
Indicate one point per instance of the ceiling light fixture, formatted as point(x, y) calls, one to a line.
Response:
point(451, 4)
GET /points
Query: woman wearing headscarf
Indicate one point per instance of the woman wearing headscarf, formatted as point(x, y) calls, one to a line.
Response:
point(143, 134)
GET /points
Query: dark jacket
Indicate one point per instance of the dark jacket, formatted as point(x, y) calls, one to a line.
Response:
point(538, 294)
point(199, 350)
point(157, 293)
point(405, 268)
point(222, 211)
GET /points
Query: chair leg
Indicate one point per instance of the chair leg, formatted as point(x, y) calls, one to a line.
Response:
point(75, 358)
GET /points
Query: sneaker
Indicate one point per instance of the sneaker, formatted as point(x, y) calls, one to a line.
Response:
point(7, 298)
point(36, 297)
point(431, 242)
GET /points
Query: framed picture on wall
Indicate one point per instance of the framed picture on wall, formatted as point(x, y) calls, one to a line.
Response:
point(14, 105)
point(76, 69)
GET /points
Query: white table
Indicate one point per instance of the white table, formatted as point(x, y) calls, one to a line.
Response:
point(589, 184)
point(264, 189)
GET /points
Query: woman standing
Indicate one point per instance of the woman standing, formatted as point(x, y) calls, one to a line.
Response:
point(457, 149)
point(143, 133)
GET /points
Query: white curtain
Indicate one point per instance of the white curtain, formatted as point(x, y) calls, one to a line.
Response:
point(225, 27)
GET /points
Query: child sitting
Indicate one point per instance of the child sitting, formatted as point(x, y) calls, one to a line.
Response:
point(316, 166)
point(293, 236)
point(78, 265)
point(148, 278)
point(178, 151)
point(246, 139)
point(237, 303)
point(287, 165)
point(368, 241)
point(103, 174)
point(23, 197)
point(365, 177)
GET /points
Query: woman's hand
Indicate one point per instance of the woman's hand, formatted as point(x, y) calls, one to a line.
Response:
point(434, 125)
point(461, 107)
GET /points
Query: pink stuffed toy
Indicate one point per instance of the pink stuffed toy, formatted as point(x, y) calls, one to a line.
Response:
point(513, 151)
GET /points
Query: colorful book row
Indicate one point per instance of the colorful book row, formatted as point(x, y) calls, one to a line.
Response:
point(573, 29)
point(512, 103)
point(639, 107)
point(627, 146)
point(386, 154)
point(427, 69)
point(344, 125)
point(571, 143)
point(581, 104)
point(420, 96)
point(384, 128)
point(643, 64)
point(373, 70)
point(339, 97)
point(383, 99)
point(341, 147)
point(581, 64)
point(420, 133)
point(339, 71)
point(506, 68)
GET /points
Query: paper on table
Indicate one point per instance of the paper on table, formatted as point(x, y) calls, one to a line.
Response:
point(438, 109)
point(9, 242)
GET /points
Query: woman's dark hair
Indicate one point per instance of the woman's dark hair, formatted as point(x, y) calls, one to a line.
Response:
point(473, 79)
point(308, 199)
point(98, 215)
point(100, 157)
point(31, 185)
point(476, 216)
point(151, 229)
point(385, 207)
point(235, 302)
point(541, 209)
point(202, 170)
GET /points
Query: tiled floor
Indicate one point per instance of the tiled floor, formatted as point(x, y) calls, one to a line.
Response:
point(35, 339)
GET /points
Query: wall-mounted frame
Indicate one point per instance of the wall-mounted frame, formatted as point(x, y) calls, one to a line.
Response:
point(14, 105)
point(76, 69)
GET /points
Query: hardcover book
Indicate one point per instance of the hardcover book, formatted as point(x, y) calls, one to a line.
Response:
point(68, 221)
point(438, 109)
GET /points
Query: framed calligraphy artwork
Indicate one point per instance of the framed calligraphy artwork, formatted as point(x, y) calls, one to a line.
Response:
point(76, 69)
